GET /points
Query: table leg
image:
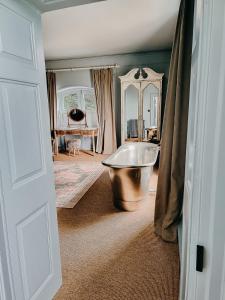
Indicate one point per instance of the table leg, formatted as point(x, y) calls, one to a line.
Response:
point(56, 145)
point(93, 141)
point(65, 143)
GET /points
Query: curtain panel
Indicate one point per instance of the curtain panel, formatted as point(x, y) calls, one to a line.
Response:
point(169, 196)
point(104, 91)
point(52, 98)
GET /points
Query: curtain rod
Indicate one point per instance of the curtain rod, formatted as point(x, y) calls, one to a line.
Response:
point(84, 68)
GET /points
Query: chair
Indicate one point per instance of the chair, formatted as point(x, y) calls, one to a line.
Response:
point(73, 146)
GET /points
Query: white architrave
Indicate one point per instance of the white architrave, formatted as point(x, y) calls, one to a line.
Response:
point(203, 214)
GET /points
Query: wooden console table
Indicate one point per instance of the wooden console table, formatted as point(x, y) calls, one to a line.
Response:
point(91, 132)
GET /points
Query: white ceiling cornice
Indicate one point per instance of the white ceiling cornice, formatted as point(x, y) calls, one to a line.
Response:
point(48, 5)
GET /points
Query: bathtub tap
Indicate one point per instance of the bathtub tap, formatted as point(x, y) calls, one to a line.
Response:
point(130, 168)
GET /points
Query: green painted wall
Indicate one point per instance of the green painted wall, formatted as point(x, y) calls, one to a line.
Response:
point(157, 60)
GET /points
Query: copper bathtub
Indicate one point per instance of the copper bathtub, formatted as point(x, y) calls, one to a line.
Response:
point(130, 168)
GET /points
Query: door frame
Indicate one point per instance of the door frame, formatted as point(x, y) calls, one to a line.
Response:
point(197, 208)
point(203, 208)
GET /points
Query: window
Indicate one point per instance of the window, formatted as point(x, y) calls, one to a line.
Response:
point(76, 97)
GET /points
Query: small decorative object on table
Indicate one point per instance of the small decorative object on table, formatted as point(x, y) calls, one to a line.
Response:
point(151, 133)
point(73, 146)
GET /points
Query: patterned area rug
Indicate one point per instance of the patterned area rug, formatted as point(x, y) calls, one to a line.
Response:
point(73, 180)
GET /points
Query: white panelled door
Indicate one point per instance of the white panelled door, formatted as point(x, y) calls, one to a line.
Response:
point(29, 249)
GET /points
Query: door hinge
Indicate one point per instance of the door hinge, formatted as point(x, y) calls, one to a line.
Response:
point(200, 258)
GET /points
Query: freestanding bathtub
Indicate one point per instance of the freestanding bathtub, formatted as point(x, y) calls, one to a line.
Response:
point(130, 168)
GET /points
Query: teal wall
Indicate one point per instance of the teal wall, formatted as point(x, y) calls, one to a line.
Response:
point(157, 60)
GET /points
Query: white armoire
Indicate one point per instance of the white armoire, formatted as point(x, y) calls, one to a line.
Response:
point(141, 93)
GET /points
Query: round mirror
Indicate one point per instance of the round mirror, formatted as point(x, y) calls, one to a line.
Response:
point(76, 115)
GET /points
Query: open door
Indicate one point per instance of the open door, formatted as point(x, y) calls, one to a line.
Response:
point(28, 225)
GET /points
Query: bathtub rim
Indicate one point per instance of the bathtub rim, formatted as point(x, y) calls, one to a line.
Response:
point(120, 166)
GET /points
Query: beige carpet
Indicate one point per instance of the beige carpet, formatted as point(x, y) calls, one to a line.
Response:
point(112, 255)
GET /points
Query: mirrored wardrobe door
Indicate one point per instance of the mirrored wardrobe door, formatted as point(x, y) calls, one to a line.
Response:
point(151, 110)
point(131, 112)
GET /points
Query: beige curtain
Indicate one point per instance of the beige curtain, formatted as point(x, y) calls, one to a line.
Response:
point(169, 197)
point(104, 91)
point(51, 88)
